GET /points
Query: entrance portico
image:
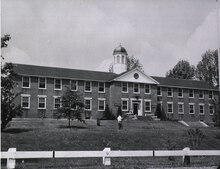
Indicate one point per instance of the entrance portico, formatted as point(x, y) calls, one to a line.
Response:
point(137, 106)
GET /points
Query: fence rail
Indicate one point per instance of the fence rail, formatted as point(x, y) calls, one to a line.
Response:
point(11, 155)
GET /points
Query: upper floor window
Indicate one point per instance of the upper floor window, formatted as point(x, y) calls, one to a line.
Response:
point(57, 84)
point(201, 94)
point(147, 88)
point(180, 92)
point(124, 103)
point(191, 108)
point(101, 104)
point(191, 93)
point(42, 83)
point(88, 104)
point(169, 92)
point(57, 102)
point(101, 87)
point(159, 91)
point(25, 101)
point(74, 85)
point(26, 82)
point(88, 86)
point(136, 87)
point(210, 94)
point(124, 88)
point(169, 107)
point(42, 102)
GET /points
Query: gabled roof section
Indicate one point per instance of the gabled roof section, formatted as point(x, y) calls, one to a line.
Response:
point(64, 73)
point(183, 83)
point(135, 76)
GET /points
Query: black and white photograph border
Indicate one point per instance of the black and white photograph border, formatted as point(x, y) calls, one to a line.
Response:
point(110, 84)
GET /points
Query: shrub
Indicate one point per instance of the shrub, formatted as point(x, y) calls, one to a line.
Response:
point(160, 113)
point(119, 112)
point(107, 114)
point(196, 137)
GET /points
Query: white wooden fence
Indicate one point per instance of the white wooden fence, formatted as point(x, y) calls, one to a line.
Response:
point(11, 155)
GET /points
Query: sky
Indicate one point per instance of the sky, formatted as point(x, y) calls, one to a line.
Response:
point(82, 34)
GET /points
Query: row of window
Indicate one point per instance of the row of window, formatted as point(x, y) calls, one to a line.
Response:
point(191, 108)
point(58, 84)
point(42, 99)
point(180, 93)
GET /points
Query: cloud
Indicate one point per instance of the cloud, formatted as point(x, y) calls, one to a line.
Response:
point(104, 65)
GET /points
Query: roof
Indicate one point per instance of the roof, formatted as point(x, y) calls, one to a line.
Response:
point(120, 49)
point(183, 83)
point(43, 71)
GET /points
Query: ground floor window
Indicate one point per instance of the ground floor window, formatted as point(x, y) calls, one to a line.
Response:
point(101, 104)
point(25, 101)
point(88, 104)
point(57, 102)
point(147, 105)
point(191, 108)
point(211, 109)
point(124, 103)
point(181, 108)
point(201, 109)
point(42, 102)
point(170, 107)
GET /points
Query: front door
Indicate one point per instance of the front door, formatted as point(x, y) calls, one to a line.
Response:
point(135, 108)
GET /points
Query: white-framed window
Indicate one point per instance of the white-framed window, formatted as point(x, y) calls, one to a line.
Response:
point(211, 109)
point(57, 84)
point(124, 103)
point(124, 87)
point(210, 94)
point(201, 108)
point(57, 102)
point(88, 103)
point(181, 108)
point(180, 92)
point(169, 107)
point(26, 82)
point(88, 86)
point(147, 105)
point(191, 108)
point(101, 87)
point(191, 93)
point(201, 94)
point(136, 87)
point(147, 89)
point(169, 92)
point(25, 101)
point(123, 59)
point(74, 85)
point(101, 104)
point(42, 101)
point(42, 81)
point(159, 91)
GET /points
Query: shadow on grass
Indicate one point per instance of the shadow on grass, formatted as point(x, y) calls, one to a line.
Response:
point(16, 130)
point(72, 127)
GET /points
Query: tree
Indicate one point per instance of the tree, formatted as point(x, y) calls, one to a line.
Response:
point(8, 107)
point(182, 70)
point(132, 63)
point(71, 106)
point(107, 114)
point(160, 113)
point(207, 68)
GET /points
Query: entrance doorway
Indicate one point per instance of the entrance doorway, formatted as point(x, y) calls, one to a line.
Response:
point(135, 108)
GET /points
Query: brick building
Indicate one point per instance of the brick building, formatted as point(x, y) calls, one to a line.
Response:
point(136, 92)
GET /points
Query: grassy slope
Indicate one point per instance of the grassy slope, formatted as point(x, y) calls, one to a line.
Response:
point(136, 135)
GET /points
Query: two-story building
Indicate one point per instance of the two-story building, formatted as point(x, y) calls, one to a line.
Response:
point(41, 89)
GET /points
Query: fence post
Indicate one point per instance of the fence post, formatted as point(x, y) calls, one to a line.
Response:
point(105, 159)
point(186, 158)
point(11, 158)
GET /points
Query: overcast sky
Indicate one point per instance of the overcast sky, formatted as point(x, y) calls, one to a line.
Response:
point(82, 34)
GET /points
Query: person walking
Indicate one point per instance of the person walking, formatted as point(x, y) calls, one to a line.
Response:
point(119, 118)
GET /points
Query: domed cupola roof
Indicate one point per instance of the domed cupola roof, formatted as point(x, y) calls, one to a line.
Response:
point(120, 49)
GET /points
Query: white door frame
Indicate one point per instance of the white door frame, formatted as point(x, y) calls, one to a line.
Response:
point(140, 101)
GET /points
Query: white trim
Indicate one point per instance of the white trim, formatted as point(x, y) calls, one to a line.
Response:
point(193, 93)
point(90, 99)
point(202, 104)
point(138, 88)
point(171, 92)
point(181, 103)
point(193, 108)
point(202, 94)
point(29, 103)
point(90, 84)
point(98, 87)
point(178, 92)
point(42, 96)
point(101, 99)
point(188, 87)
point(124, 99)
point(44, 82)
point(145, 89)
point(147, 100)
point(140, 112)
point(122, 87)
point(213, 109)
point(61, 84)
point(55, 97)
point(168, 107)
point(29, 78)
point(71, 85)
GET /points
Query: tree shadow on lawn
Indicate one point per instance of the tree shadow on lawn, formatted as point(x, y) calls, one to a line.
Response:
point(16, 130)
point(72, 127)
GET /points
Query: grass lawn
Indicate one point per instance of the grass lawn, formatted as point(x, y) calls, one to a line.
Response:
point(48, 134)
